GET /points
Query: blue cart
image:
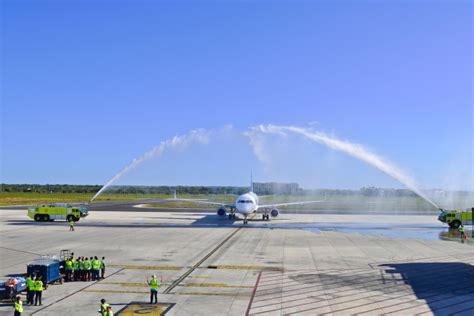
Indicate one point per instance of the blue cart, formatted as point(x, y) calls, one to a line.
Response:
point(48, 269)
point(11, 287)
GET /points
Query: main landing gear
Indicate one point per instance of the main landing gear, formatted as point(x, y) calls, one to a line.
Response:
point(265, 217)
point(232, 216)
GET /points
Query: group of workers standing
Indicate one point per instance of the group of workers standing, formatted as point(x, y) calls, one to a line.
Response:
point(85, 269)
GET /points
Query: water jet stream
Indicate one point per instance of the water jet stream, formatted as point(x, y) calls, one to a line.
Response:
point(195, 136)
point(354, 150)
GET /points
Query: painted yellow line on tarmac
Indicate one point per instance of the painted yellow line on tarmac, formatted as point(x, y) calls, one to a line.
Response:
point(217, 285)
point(115, 291)
point(236, 267)
point(129, 284)
point(180, 293)
point(200, 277)
point(145, 309)
point(214, 294)
point(136, 267)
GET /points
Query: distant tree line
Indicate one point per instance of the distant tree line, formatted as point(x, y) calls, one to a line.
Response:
point(123, 189)
point(169, 190)
point(181, 189)
point(49, 188)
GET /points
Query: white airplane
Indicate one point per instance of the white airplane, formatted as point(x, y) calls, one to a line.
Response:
point(247, 204)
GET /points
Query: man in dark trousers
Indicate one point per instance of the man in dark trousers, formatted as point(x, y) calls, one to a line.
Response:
point(38, 291)
point(30, 292)
point(102, 267)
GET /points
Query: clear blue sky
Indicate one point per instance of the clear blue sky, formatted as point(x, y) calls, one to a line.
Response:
point(89, 85)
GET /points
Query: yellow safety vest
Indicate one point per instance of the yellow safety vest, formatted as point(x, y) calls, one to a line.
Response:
point(39, 286)
point(154, 284)
point(96, 264)
point(103, 309)
point(69, 265)
point(29, 283)
point(19, 307)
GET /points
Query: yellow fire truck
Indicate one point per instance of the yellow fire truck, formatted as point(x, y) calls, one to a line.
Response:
point(455, 218)
point(61, 211)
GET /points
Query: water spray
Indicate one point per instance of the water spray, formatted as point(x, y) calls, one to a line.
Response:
point(195, 136)
point(255, 133)
point(355, 150)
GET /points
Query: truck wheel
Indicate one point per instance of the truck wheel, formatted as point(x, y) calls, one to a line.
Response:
point(455, 224)
point(37, 218)
point(46, 218)
point(69, 218)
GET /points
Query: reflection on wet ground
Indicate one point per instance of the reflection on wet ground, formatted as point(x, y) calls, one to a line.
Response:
point(399, 231)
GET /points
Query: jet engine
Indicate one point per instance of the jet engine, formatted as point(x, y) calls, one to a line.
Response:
point(221, 211)
point(275, 212)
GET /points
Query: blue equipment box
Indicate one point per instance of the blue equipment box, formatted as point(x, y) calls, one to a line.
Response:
point(48, 269)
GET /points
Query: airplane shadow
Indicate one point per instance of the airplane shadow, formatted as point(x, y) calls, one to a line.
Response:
point(446, 287)
point(209, 220)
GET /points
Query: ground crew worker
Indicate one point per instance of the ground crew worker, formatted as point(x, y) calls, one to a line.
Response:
point(87, 269)
point(68, 270)
point(18, 306)
point(153, 284)
point(74, 269)
point(71, 225)
point(80, 263)
point(103, 307)
point(96, 268)
point(38, 291)
point(29, 290)
point(92, 261)
point(102, 267)
point(93, 267)
point(461, 230)
point(109, 311)
point(73, 263)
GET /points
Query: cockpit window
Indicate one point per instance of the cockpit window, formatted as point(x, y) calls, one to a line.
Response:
point(245, 201)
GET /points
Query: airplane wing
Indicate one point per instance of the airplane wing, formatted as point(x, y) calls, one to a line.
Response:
point(206, 202)
point(290, 203)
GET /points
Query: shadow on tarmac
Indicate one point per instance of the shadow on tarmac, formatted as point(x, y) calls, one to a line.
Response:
point(447, 287)
point(205, 221)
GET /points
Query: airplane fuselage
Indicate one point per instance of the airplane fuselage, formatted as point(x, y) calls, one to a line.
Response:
point(246, 203)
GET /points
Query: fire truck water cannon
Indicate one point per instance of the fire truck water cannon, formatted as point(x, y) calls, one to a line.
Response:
point(454, 218)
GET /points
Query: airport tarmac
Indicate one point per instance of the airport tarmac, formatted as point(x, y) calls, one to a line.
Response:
point(302, 264)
